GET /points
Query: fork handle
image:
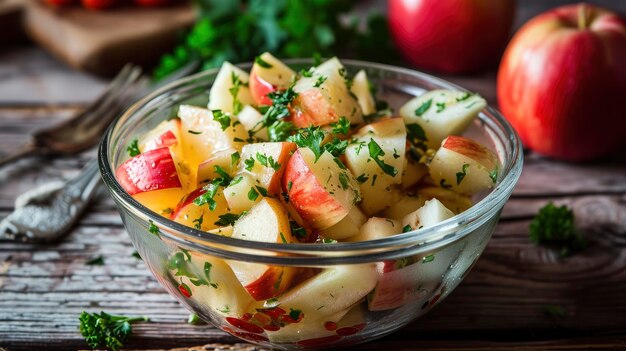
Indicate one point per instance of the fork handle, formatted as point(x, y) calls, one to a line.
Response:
point(24, 150)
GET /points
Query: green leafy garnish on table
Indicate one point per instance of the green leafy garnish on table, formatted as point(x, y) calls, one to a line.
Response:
point(554, 226)
point(96, 261)
point(238, 30)
point(107, 330)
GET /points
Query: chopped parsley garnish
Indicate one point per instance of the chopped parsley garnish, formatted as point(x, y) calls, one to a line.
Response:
point(423, 107)
point(440, 106)
point(406, 228)
point(311, 138)
point(152, 228)
point(193, 319)
point(222, 118)
point(223, 174)
point(362, 178)
point(96, 261)
point(428, 258)
point(360, 145)
point(461, 175)
point(253, 194)
point(282, 238)
point(554, 226)
point(416, 133)
point(464, 97)
point(289, 185)
point(443, 184)
point(320, 81)
point(234, 92)
point(227, 219)
point(308, 73)
point(261, 190)
point(262, 158)
point(280, 130)
point(336, 147)
point(208, 195)
point(133, 148)
point(329, 241)
point(339, 163)
point(280, 106)
point(375, 153)
point(181, 263)
point(294, 314)
point(234, 158)
point(343, 179)
point(273, 163)
point(342, 126)
point(106, 330)
point(494, 175)
point(193, 132)
point(259, 61)
point(297, 231)
point(197, 223)
point(395, 154)
point(236, 180)
point(271, 303)
point(249, 163)
point(137, 255)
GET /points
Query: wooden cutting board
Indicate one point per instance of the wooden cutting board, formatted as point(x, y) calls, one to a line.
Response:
point(101, 42)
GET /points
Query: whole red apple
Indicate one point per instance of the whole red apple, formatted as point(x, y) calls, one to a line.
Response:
point(451, 36)
point(562, 82)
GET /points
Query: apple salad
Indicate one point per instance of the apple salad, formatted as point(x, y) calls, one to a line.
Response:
point(287, 157)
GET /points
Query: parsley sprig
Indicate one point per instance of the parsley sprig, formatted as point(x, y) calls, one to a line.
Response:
point(107, 330)
point(554, 226)
point(376, 152)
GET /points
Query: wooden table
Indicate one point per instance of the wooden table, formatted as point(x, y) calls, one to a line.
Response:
point(499, 306)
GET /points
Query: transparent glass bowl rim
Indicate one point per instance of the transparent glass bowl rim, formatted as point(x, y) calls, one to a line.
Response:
point(430, 238)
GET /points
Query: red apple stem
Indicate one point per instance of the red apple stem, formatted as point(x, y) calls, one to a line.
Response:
point(582, 17)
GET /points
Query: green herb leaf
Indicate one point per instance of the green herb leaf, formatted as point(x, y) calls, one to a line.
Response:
point(494, 175)
point(280, 130)
point(253, 194)
point(362, 178)
point(375, 153)
point(259, 61)
point(406, 228)
point(343, 179)
point(440, 106)
point(133, 148)
point(227, 219)
point(193, 132)
point(443, 184)
point(222, 118)
point(152, 228)
point(320, 81)
point(249, 163)
point(136, 255)
point(310, 137)
point(342, 126)
point(554, 226)
point(234, 158)
point(416, 133)
point(197, 223)
point(262, 158)
point(336, 147)
point(105, 330)
point(96, 261)
point(295, 314)
point(193, 319)
point(297, 231)
point(428, 258)
point(461, 175)
point(423, 107)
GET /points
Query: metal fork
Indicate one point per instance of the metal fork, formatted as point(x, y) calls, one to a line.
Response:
point(85, 129)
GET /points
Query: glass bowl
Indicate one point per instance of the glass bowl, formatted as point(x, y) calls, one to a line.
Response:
point(350, 292)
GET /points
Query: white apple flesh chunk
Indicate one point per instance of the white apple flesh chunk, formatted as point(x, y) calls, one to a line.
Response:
point(408, 203)
point(412, 172)
point(321, 191)
point(242, 193)
point(199, 217)
point(377, 228)
point(165, 134)
point(377, 188)
point(202, 136)
point(269, 162)
point(268, 222)
point(440, 113)
point(346, 228)
point(431, 213)
point(452, 200)
point(220, 95)
point(252, 120)
point(324, 97)
point(222, 159)
point(269, 74)
point(361, 89)
point(151, 170)
point(464, 166)
point(331, 291)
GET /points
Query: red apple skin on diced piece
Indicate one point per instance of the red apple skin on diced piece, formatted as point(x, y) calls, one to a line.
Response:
point(395, 288)
point(464, 166)
point(315, 191)
point(264, 80)
point(259, 89)
point(267, 176)
point(188, 213)
point(166, 134)
point(311, 109)
point(152, 170)
point(267, 221)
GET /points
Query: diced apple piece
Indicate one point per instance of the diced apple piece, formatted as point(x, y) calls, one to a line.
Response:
point(390, 136)
point(464, 166)
point(162, 201)
point(361, 89)
point(428, 215)
point(269, 74)
point(412, 172)
point(377, 228)
point(152, 170)
point(199, 217)
point(441, 113)
point(269, 161)
point(324, 97)
point(348, 227)
point(242, 193)
point(222, 159)
point(408, 203)
point(396, 287)
point(202, 136)
point(333, 290)
point(452, 200)
point(223, 231)
point(220, 95)
point(165, 134)
point(252, 120)
point(267, 221)
point(321, 191)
